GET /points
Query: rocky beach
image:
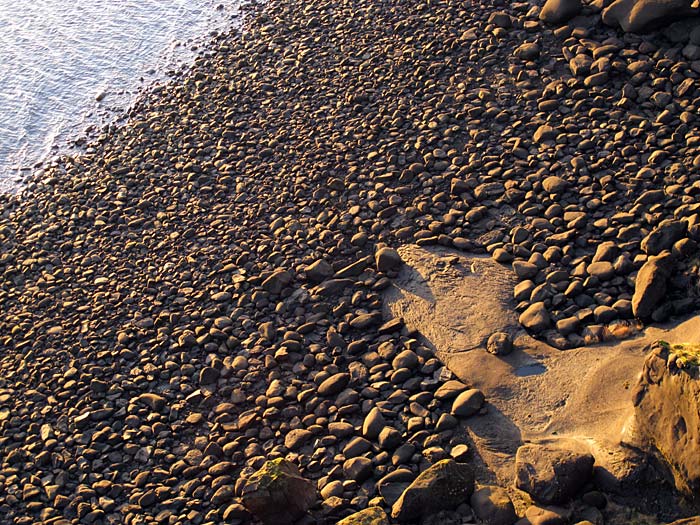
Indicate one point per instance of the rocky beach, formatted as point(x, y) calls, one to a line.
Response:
point(198, 322)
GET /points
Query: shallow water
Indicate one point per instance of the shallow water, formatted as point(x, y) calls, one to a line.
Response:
point(58, 57)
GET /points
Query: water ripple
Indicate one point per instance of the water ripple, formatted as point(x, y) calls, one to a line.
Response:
point(57, 56)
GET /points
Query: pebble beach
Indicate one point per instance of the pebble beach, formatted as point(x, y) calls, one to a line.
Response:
point(200, 291)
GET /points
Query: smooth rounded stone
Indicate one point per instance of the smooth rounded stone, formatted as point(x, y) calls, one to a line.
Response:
point(391, 486)
point(535, 318)
point(650, 285)
point(356, 447)
point(368, 516)
point(297, 438)
point(523, 290)
point(366, 320)
point(153, 401)
point(208, 376)
point(664, 236)
point(389, 438)
point(446, 422)
point(568, 325)
point(499, 343)
point(387, 259)
point(544, 133)
point(373, 424)
point(334, 384)
point(277, 494)
point(276, 282)
point(527, 51)
point(318, 271)
point(405, 359)
point(460, 452)
point(603, 270)
point(525, 270)
point(604, 314)
point(555, 185)
point(501, 19)
point(443, 486)
point(493, 506)
point(449, 390)
point(552, 473)
point(332, 489)
point(537, 515)
point(468, 403)
point(341, 429)
point(358, 469)
point(502, 255)
point(435, 453)
point(560, 11)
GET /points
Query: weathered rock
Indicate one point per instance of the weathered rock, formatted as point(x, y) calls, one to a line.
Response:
point(500, 343)
point(391, 486)
point(554, 185)
point(638, 15)
point(667, 411)
point(468, 403)
point(493, 506)
point(334, 384)
point(373, 424)
point(650, 285)
point(560, 11)
point(552, 472)
point(369, 516)
point(358, 469)
point(443, 486)
point(277, 494)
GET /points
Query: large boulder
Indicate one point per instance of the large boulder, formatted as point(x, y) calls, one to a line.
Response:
point(552, 472)
point(650, 285)
point(560, 11)
point(277, 494)
point(667, 411)
point(638, 15)
point(443, 486)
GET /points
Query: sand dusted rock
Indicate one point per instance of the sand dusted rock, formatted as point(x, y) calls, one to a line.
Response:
point(695, 520)
point(560, 11)
point(468, 403)
point(667, 411)
point(441, 487)
point(277, 494)
point(552, 472)
point(493, 506)
point(637, 15)
point(369, 516)
point(650, 285)
point(387, 259)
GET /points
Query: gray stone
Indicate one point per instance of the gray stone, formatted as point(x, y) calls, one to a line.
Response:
point(638, 15)
point(536, 317)
point(387, 259)
point(493, 506)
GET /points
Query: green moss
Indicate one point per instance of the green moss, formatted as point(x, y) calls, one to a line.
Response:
point(687, 354)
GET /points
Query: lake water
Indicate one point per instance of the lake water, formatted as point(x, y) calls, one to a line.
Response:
point(66, 65)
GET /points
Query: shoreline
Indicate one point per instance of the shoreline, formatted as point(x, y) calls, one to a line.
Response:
point(204, 291)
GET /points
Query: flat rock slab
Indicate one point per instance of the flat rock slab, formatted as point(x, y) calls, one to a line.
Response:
point(457, 300)
point(454, 299)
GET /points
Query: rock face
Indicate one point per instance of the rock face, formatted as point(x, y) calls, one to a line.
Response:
point(441, 487)
point(560, 11)
point(650, 286)
point(277, 494)
point(552, 473)
point(667, 411)
point(637, 15)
